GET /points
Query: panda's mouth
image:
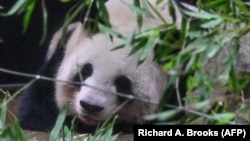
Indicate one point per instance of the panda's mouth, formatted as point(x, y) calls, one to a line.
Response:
point(89, 120)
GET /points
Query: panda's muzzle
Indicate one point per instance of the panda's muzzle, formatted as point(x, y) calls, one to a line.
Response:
point(91, 108)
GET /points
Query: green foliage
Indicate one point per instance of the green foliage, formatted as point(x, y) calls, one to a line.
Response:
point(58, 126)
point(9, 133)
point(218, 25)
point(58, 133)
point(104, 134)
point(3, 112)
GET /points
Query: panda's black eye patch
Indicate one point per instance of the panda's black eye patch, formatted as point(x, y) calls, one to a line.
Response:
point(85, 72)
point(123, 85)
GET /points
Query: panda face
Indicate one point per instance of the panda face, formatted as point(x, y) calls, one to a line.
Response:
point(93, 63)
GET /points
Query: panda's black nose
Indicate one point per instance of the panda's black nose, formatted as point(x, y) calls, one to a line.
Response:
point(91, 108)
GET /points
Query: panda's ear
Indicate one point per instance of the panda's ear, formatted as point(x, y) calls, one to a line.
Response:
point(75, 37)
point(59, 38)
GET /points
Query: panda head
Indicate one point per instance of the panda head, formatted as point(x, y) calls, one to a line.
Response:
point(92, 61)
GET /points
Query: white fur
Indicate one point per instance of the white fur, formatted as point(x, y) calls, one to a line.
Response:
point(56, 39)
point(148, 81)
point(124, 20)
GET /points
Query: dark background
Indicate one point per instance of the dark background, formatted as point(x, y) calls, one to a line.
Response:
point(21, 51)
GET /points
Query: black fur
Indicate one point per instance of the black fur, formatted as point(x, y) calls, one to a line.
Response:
point(37, 110)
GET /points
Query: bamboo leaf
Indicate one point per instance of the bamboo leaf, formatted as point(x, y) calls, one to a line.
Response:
point(45, 23)
point(212, 23)
point(109, 31)
point(54, 134)
point(15, 8)
point(222, 118)
point(163, 116)
point(27, 16)
point(202, 15)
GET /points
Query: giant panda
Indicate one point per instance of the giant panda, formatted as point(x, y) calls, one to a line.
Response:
point(91, 78)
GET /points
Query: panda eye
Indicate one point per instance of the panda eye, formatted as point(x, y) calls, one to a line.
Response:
point(85, 72)
point(123, 85)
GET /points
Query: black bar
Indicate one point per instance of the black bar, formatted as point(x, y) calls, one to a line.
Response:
point(194, 132)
